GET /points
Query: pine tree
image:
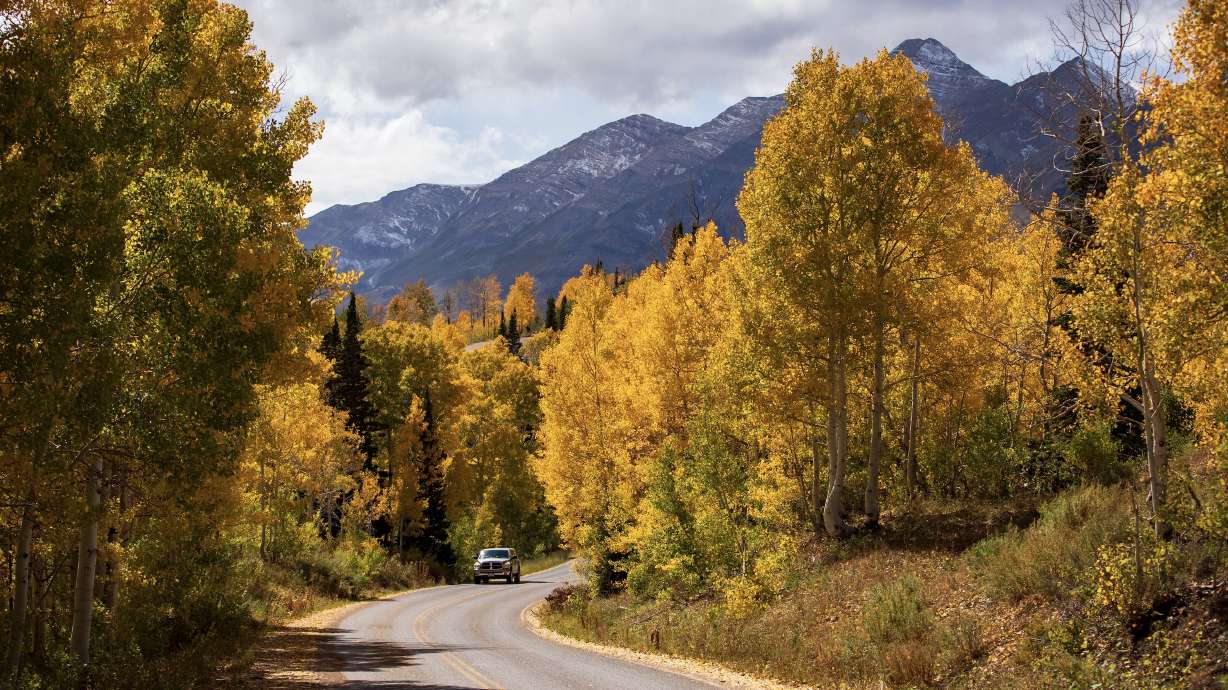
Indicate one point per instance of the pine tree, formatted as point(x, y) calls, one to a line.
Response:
point(551, 315)
point(1088, 180)
point(330, 345)
point(502, 332)
point(564, 310)
point(348, 389)
point(432, 541)
point(513, 335)
point(676, 234)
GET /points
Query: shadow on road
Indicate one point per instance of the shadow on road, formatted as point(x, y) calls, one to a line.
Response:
point(397, 685)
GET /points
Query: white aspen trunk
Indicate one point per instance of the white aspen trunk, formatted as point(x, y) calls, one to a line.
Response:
point(837, 443)
point(876, 431)
point(910, 458)
point(21, 590)
point(1154, 424)
point(87, 562)
point(1157, 449)
point(816, 497)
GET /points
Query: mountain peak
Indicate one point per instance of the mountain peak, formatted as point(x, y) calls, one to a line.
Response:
point(948, 75)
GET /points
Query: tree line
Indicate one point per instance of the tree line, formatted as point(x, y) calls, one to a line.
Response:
point(892, 329)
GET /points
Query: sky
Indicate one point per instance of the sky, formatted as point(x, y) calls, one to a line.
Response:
point(460, 91)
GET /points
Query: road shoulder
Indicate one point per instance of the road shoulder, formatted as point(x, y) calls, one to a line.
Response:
point(702, 671)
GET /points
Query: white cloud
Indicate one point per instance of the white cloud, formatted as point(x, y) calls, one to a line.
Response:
point(362, 158)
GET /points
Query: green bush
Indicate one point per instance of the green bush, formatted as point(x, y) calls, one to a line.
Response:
point(1130, 578)
point(1051, 557)
point(896, 612)
point(1095, 455)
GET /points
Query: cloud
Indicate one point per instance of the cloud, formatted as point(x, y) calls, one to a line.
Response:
point(449, 71)
point(360, 159)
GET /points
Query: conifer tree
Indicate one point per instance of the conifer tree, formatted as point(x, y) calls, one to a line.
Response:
point(347, 390)
point(330, 345)
point(564, 310)
point(551, 315)
point(513, 335)
point(1088, 181)
point(676, 234)
point(432, 541)
point(502, 332)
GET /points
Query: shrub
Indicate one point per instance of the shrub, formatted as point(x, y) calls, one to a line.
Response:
point(911, 663)
point(896, 612)
point(1095, 454)
point(1052, 556)
point(964, 642)
point(1130, 578)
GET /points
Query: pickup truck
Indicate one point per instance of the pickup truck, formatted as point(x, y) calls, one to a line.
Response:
point(497, 562)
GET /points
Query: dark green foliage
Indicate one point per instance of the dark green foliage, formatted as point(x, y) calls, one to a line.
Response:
point(551, 316)
point(502, 332)
point(676, 234)
point(330, 345)
point(432, 539)
point(564, 311)
point(1088, 180)
point(347, 390)
point(512, 334)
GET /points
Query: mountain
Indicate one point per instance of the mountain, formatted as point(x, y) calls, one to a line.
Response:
point(374, 234)
point(611, 194)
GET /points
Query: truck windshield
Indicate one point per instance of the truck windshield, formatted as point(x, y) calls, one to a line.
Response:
point(495, 553)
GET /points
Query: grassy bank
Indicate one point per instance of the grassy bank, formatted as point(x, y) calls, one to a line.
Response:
point(544, 562)
point(967, 597)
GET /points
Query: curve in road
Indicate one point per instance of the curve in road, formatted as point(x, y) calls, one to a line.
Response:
point(474, 636)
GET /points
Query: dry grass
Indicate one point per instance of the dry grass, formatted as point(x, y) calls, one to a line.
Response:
point(903, 607)
point(536, 565)
point(867, 621)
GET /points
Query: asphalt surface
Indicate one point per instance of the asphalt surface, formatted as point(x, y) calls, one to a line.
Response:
point(473, 636)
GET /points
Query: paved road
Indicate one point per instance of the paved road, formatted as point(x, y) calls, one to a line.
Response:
point(473, 636)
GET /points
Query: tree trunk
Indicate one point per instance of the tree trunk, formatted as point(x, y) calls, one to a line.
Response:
point(21, 593)
point(87, 562)
point(910, 457)
point(1157, 448)
point(876, 431)
point(837, 441)
point(816, 455)
point(264, 556)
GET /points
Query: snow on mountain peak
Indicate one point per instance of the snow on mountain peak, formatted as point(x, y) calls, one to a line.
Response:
point(947, 73)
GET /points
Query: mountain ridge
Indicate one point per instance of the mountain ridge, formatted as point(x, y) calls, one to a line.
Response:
point(611, 193)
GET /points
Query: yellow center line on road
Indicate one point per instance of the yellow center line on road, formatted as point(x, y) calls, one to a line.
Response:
point(449, 658)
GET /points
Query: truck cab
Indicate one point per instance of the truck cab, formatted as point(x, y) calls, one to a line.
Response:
point(496, 562)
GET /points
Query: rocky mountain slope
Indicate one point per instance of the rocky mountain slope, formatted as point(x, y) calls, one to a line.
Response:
point(611, 194)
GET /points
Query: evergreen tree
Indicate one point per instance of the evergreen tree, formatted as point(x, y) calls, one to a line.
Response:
point(513, 335)
point(502, 333)
point(1088, 180)
point(564, 310)
point(432, 540)
point(330, 345)
point(551, 316)
point(676, 234)
point(347, 390)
